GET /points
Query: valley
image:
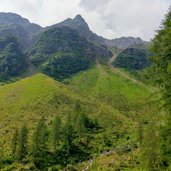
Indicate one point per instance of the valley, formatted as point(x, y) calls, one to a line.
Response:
point(71, 100)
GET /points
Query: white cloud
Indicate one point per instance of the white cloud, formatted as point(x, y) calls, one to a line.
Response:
point(109, 18)
point(130, 17)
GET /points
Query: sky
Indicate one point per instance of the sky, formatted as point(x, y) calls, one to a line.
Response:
point(108, 18)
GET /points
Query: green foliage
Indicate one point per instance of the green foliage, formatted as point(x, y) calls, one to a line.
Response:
point(56, 132)
point(88, 110)
point(61, 52)
point(150, 149)
point(132, 59)
point(1, 158)
point(40, 153)
point(22, 144)
point(162, 58)
point(39, 145)
point(65, 66)
point(14, 144)
point(12, 61)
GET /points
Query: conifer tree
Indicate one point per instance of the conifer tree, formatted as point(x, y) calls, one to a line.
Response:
point(56, 131)
point(22, 144)
point(14, 144)
point(39, 144)
point(162, 61)
point(68, 133)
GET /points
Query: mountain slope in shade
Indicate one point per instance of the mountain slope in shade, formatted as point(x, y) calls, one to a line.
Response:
point(79, 24)
point(12, 61)
point(62, 52)
point(132, 59)
point(12, 24)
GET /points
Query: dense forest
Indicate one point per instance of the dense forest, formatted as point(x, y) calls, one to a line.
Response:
point(12, 61)
point(56, 145)
point(132, 59)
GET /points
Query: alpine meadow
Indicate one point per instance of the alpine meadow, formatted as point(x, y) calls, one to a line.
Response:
point(72, 100)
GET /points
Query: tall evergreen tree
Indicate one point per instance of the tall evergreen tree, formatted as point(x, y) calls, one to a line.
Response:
point(56, 131)
point(39, 145)
point(68, 133)
point(22, 144)
point(14, 144)
point(162, 61)
point(80, 126)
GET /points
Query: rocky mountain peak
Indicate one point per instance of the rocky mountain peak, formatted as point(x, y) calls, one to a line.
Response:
point(79, 18)
point(78, 23)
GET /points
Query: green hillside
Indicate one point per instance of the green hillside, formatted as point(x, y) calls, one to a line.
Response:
point(110, 98)
point(27, 100)
point(133, 59)
point(101, 81)
point(12, 61)
point(131, 101)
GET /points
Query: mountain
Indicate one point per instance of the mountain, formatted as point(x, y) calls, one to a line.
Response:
point(58, 52)
point(61, 52)
point(27, 33)
point(102, 94)
point(12, 61)
point(132, 59)
point(125, 42)
point(12, 24)
point(79, 24)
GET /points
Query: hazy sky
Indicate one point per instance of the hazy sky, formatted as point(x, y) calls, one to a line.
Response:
point(109, 18)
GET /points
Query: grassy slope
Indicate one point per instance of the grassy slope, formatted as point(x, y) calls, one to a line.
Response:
point(26, 101)
point(122, 94)
point(103, 94)
point(100, 80)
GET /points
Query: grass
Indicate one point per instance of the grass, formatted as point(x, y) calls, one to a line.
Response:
point(96, 82)
point(103, 94)
point(26, 101)
point(128, 97)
